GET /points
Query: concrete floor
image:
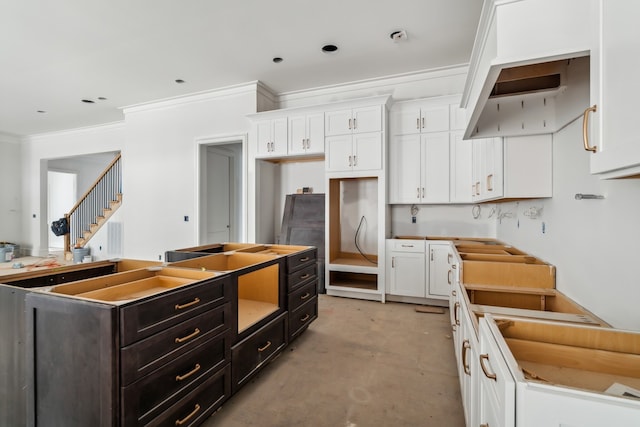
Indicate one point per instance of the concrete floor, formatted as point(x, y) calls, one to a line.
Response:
point(359, 364)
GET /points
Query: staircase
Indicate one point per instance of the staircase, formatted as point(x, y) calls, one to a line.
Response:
point(95, 208)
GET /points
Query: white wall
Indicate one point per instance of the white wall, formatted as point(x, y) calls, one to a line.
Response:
point(443, 220)
point(10, 190)
point(159, 163)
point(592, 243)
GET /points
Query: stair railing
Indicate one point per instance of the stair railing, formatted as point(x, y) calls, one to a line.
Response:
point(106, 189)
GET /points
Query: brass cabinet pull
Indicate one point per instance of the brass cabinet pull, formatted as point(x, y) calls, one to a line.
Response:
point(350, 162)
point(305, 276)
point(418, 192)
point(449, 257)
point(350, 120)
point(423, 192)
point(188, 337)
point(305, 318)
point(188, 374)
point(449, 276)
point(454, 293)
point(477, 188)
point(456, 307)
point(355, 123)
point(266, 346)
point(423, 123)
point(188, 417)
point(418, 123)
point(304, 259)
point(484, 425)
point(393, 262)
point(189, 304)
point(490, 182)
point(355, 160)
point(484, 357)
point(465, 366)
point(305, 296)
point(585, 128)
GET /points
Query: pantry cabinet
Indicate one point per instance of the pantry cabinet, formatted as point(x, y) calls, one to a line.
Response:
point(306, 134)
point(614, 90)
point(354, 120)
point(271, 136)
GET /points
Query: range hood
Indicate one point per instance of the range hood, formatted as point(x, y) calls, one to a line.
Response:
point(529, 72)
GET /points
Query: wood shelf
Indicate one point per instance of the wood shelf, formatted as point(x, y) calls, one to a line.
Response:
point(250, 312)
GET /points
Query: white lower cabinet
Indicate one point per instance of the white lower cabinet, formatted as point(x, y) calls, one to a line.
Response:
point(543, 373)
point(418, 268)
point(468, 348)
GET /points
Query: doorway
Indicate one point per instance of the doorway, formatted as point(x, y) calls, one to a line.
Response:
point(61, 196)
point(221, 190)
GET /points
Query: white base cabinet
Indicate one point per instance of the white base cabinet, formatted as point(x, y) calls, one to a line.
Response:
point(419, 268)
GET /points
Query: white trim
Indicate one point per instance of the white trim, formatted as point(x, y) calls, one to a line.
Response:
point(100, 127)
point(243, 138)
point(386, 83)
point(239, 89)
point(9, 138)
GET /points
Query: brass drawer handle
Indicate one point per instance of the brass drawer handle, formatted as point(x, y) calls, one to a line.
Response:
point(188, 417)
point(456, 307)
point(188, 374)
point(305, 296)
point(266, 346)
point(305, 259)
point(484, 357)
point(305, 318)
point(188, 337)
point(305, 276)
point(189, 304)
point(449, 275)
point(465, 366)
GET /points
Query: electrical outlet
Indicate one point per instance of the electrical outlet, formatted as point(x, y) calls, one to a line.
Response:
point(186, 218)
point(413, 220)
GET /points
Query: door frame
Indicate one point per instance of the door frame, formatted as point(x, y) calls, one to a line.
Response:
point(202, 144)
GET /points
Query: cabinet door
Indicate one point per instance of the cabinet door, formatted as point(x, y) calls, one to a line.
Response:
point(615, 88)
point(315, 133)
point(367, 151)
point(339, 156)
point(434, 118)
point(338, 122)
point(407, 274)
point(457, 117)
point(297, 134)
point(461, 164)
point(280, 140)
point(435, 168)
point(494, 168)
point(263, 137)
point(404, 169)
point(497, 386)
point(405, 119)
point(439, 276)
point(468, 368)
point(367, 119)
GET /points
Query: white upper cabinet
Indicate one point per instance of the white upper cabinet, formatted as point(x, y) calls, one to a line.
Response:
point(358, 152)
point(355, 120)
point(306, 134)
point(615, 88)
point(271, 137)
point(416, 118)
point(519, 80)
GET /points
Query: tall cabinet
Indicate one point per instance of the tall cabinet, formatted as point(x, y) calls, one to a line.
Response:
point(356, 209)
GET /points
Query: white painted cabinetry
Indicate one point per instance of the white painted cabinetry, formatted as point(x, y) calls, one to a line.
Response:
point(354, 152)
point(271, 136)
point(353, 120)
point(419, 268)
point(615, 89)
point(306, 134)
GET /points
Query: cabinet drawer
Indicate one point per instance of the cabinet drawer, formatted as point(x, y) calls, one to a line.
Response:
point(301, 277)
point(145, 318)
point(300, 319)
point(302, 295)
point(199, 404)
point(144, 399)
point(249, 355)
point(150, 353)
point(408, 245)
point(301, 259)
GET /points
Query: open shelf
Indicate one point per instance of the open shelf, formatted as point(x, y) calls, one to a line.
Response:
point(363, 281)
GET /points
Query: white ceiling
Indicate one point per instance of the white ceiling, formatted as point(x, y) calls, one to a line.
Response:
point(53, 54)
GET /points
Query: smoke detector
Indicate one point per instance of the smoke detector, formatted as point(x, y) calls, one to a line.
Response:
point(397, 36)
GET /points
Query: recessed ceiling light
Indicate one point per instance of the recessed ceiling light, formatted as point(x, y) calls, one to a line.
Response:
point(102, 98)
point(179, 81)
point(277, 60)
point(88, 101)
point(397, 36)
point(329, 48)
point(41, 111)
